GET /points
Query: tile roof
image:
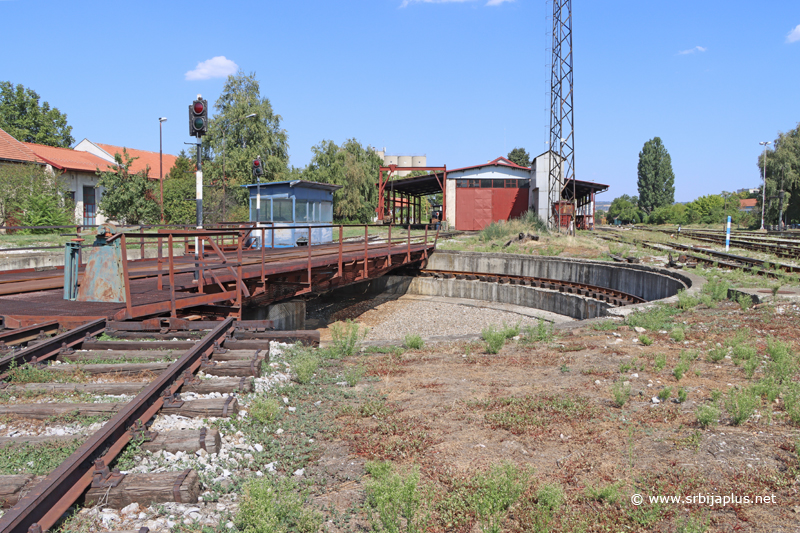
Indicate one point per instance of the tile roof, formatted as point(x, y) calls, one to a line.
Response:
point(144, 160)
point(13, 150)
point(749, 202)
point(67, 158)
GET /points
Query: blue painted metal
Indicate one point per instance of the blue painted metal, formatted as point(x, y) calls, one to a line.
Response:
point(72, 253)
point(103, 279)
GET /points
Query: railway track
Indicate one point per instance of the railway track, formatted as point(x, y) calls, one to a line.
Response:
point(230, 355)
point(721, 259)
point(614, 297)
point(776, 248)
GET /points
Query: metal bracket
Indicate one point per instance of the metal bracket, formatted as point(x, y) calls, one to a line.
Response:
point(242, 381)
point(227, 402)
point(105, 478)
point(65, 350)
point(190, 379)
point(176, 488)
point(3, 347)
point(35, 362)
point(218, 349)
point(140, 431)
point(205, 362)
point(42, 335)
point(171, 400)
point(35, 528)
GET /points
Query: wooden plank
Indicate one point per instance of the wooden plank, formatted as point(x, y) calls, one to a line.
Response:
point(235, 368)
point(206, 386)
point(42, 411)
point(14, 487)
point(38, 439)
point(150, 355)
point(185, 440)
point(147, 489)
point(127, 369)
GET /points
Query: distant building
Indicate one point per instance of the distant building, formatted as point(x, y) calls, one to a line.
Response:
point(143, 160)
point(402, 161)
point(749, 191)
point(748, 205)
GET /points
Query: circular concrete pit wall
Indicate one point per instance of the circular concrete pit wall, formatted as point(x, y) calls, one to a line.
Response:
point(645, 282)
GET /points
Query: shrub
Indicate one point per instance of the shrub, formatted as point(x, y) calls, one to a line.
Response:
point(413, 342)
point(741, 404)
point(620, 392)
point(354, 374)
point(543, 332)
point(392, 498)
point(346, 338)
point(494, 339)
point(745, 301)
point(665, 393)
point(607, 493)
point(678, 335)
point(264, 409)
point(644, 339)
point(707, 415)
point(682, 395)
point(717, 289)
point(653, 319)
point(715, 355)
point(305, 363)
point(511, 331)
point(660, 362)
point(685, 301)
point(494, 492)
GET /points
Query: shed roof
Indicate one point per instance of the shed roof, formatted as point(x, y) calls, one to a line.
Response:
point(68, 159)
point(13, 150)
point(298, 183)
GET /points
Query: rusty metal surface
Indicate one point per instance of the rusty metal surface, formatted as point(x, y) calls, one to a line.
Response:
point(103, 280)
point(47, 502)
point(20, 335)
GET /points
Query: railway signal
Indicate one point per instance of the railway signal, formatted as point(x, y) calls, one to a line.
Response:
point(258, 168)
point(198, 118)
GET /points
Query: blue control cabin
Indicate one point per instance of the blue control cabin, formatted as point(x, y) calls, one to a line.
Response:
point(291, 209)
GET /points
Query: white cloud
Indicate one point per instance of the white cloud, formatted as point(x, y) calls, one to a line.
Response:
point(692, 50)
point(216, 67)
point(406, 3)
point(794, 35)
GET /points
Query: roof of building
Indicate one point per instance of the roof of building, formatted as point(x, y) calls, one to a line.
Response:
point(67, 158)
point(294, 183)
point(749, 202)
point(13, 150)
point(144, 159)
point(500, 161)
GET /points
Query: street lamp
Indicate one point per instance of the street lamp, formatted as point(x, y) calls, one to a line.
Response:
point(161, 121)
point(224, 178)
point(764, 188)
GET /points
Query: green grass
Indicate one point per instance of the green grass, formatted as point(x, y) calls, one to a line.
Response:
point(654, 319)
point(605, 325)
point(520, 415)
point(305, 362)
point(264, 409)
point(542, 332)
point(665, 393)
point(660, 362)
point(394, 500)
point(604, 493)
point(707, 415)
point(37, 459)
point(644, 339)
point(741, 404)
point(347, 338)
point(494, 339)
point(620, 393)
point(682, 395)
point(413, 342)
point(678, 334)
point(275, 504)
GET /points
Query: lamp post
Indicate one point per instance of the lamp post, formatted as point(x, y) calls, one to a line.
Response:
point(224, 178)
point(161, 121)
point(764, 187)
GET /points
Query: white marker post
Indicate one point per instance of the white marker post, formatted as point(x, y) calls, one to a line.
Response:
point(728, 235)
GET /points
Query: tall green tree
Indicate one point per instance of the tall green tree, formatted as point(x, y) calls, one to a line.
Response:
point(22, 117)
point(31, 196)
point(128, 198)
point(235, 139)
point(783, 174)
point(179, 192)
point(356, 169)
point(625, 209)
point(656, 179)
point(520, 156)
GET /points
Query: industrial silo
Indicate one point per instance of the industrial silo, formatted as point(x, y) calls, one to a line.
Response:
point(404, 161)
point(419, 161)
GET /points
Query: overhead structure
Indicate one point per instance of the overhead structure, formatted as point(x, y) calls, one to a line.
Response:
point(561, 172)
point(402, 199)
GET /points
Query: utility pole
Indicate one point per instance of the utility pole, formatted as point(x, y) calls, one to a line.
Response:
point(764, 187)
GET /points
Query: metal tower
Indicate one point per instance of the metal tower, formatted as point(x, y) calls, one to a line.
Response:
point(561, 168)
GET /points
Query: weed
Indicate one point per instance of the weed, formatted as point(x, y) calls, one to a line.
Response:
point(264, 410)
point(620, 392)
point(693, 524)
point(783, 363)
point(678, 334)
point(605, 325)
point(494, 339)
point(413, 342)
point(275, 505)
point(767, 388)
point(660, 362)
point(391, 497)
point(682, 395)
point(741, 404)
point(127, 459)
point(717, 353)
point(548, 500)
point(565, 369)
point(624, 367)
point(607, 493)
point(654, 319)
point(376, 408)
point(665, 393)
point(716, 289)
point(716, 396)
point(685, 301)
point(495, 491)
point(750, 367)
point(542, 332)
point(28, 373)
point(745, 301)
point(520, 415)
point(791, 403)
point(305, 363)
point(743, 352)
point(354, 374)
point(347, 337)
point(679, 371)
point(644, 339)
point(707, 415)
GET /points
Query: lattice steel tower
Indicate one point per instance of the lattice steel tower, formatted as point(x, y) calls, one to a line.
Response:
point(562, 132)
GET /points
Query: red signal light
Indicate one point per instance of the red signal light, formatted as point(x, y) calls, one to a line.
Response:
point(256, 163)
point(198, 107)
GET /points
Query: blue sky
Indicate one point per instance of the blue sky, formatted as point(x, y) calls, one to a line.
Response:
point(462, 81)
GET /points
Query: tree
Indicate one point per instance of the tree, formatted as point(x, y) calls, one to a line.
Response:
point(234, 141)
point(179, 192)
point(128, 198)
point(31, 196)
point(625, 209)
point(23, 118)
point(356, 169)
point(656, 179)
point(519, 156)
point(783, 174)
